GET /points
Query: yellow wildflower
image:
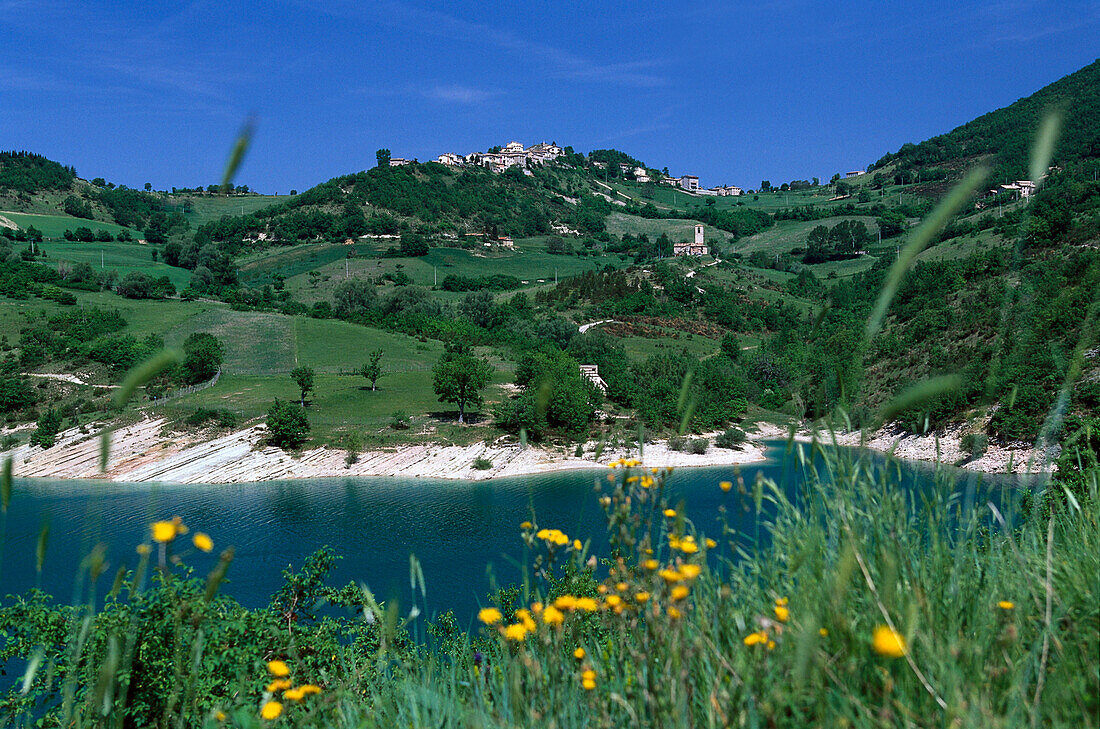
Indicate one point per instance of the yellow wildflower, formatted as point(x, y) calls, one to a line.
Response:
point(1006, 605)
point(651, 564)
point(613, 600)
point(670, 513)
point(587, 604)
point(641, 596)
point(782, 614)
point(688, 547)
point(202, 541)
point(589, 674)
point(690, 571)
point(631, 479)
point(725, 486)
point(294, 694)
point(823, 632)
point(888, 642)
point(679, 592)
point(756, 638)
point(674, 613)
point(163, 531)
point(670, 576)
point(219, 715)
point(536, 607)
point(579, 654)
point(271, 710)
point(489, 615)
point(180, 528)
point(553, 616)
point(278, 668)
point(605, 501)
point(781, 601)
point(310, 688)
point(279, 684)
point(601, 588)
point(515, 631)
point(143, 549)
point(565, 602)
point(526, 525)
point(771, 644)
point(577, 545)
point(711, 544)
point(525, 617)
point(588, 684)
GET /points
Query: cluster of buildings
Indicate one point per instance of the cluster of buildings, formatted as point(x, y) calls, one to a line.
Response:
point(513, 154)
point(690, 183)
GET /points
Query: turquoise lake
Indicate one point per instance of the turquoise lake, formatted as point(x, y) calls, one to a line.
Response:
point(460, 531)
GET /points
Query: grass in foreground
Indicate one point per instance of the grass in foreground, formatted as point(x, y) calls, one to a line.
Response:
point(862, 605)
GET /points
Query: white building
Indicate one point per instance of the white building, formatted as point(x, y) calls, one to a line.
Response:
point(450, 159)
point(542, 152)
point(400, 161)
point(591, 373)
point(641, 174)
point(728, 190)
point(698, 248)
point(854, 173)
point(689, 183)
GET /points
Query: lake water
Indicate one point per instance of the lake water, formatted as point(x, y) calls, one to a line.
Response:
point(459, 530)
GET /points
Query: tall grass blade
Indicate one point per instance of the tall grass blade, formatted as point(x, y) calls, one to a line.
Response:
point(40, 547)
point(920, 393)
point(919, 240)
point(1044, 145)
point(5, 485)
point(236, 156)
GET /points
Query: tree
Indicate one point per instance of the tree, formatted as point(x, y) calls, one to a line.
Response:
point(287, 425)
point(353, 297)
point(383, 157)
point(202, 358)
point(458, 377)
point(372, 370)
point(304, 377)
point(148, 186)
point(765, 186)
point(48, 426)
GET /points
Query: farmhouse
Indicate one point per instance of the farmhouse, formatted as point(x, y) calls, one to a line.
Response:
point(689, 183)
point(450, 159)
point(728, 190)
point(854, 173)
point(400, 161)
point(698, 248)
point(641, 174)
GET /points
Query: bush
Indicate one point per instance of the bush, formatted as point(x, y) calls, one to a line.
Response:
point(400, 421)
point(49, 424)
point(974, 444)
point(699, 446)
point(678, 443)
point(731, 438)
point(482, 464)
point(287, 425)
point(220, 418)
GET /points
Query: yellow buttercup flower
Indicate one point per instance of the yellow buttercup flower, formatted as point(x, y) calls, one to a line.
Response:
point(613, 600)
point(278, 668)
point(202, 541)
point(823, 632)
point(674, 613)
point(688, 547)
point(525, 617)
point(553, 616)
point(310, 688)
point(515, 631)
point(579, 654)
point(711, 544)
point(781, 601)
point(651, 564)
point(771, 644)
point(565, 602)
point(679, 592)
point(756, 638)
point(577, 545)
point(219, 715)
point(587, 604)
point(525, 525)
point(725, 485)
point(489, 615)
point(670, 576)
point(163, 531)
point(271, 710)
point(670, 513)
point(690, 571)
point(782, 614)
point(621, 586)
point(279, 684)
point(641, 596)
point(294, 694)
point(1006, 605)
point(888, 642)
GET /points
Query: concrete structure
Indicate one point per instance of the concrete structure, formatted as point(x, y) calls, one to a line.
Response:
point(400, 161)
point(698, 248)
point(591, 373)
point(689, 183)
point(728, 190)
point(674, 181)
point(854, 173)
point(450, 159)
point(641, 174)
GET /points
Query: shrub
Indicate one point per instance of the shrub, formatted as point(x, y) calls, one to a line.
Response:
point(699, 446)
point(400, 421)
point(49, 424)
point(287, 425)
point(220, 417)
point(482, 464)
point(731, 438)
point(974, 444)
point(678, 443)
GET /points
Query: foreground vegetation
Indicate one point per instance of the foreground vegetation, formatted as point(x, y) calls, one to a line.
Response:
point(854, 603)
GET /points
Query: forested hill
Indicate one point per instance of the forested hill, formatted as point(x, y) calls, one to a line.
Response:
point(1005, 136)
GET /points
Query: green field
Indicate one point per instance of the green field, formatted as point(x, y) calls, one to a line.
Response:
point(122, 257)
point(676, 229)
point(204, 208)
point(54, 226)
point(788, 234)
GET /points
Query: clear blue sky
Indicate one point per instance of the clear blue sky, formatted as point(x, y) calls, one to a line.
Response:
point(731, 91)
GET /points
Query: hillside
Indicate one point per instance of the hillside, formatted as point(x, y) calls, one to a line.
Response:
point(1003, 138)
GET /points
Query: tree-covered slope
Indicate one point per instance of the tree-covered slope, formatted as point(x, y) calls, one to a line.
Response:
point(1006, 135)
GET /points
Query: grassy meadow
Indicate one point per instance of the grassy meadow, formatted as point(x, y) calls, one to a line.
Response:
point(54, 226)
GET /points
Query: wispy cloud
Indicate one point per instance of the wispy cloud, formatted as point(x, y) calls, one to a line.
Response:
point(458, 94)
point(560, 62)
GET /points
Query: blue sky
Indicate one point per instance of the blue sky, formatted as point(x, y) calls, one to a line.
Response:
point(734, 92)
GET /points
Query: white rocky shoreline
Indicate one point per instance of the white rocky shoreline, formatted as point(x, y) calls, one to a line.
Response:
point(149, 451)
